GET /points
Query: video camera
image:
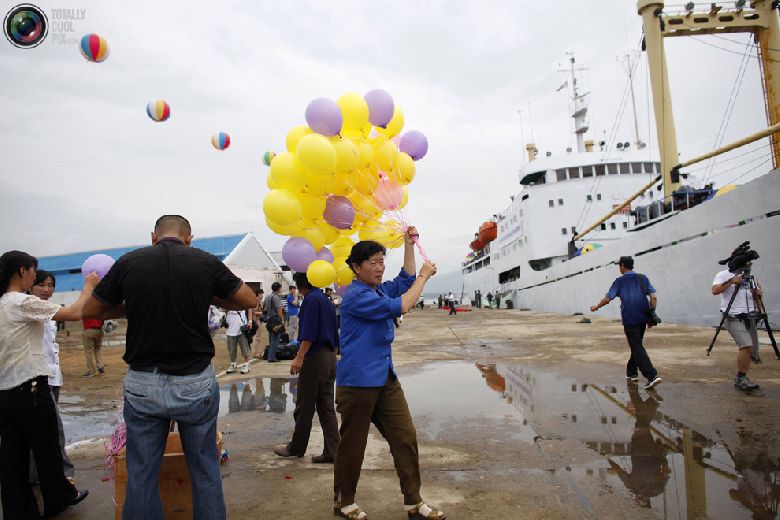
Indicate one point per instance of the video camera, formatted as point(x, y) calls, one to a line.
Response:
point(740, 258)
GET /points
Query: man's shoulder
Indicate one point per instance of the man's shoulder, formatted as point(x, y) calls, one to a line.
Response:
point(724, 275)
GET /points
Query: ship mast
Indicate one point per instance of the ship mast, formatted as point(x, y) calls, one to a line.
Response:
point(580, 108)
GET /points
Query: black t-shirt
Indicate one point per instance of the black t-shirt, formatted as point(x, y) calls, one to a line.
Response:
point(167, 289)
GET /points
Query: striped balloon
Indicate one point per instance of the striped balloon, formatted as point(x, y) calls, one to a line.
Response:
point(94, 48)
point(158, 110)
point(220, 141)
point(268, 157)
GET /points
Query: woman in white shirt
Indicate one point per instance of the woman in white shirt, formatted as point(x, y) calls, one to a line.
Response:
point(43, 288)
point(28, 416)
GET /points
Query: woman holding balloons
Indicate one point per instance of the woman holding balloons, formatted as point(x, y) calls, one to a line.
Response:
point(367, 387)
point(28, 417)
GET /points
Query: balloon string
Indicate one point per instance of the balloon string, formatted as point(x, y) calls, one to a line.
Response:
point(420, 248)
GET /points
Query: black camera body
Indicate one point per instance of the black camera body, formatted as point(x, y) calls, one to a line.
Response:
point(740, 258)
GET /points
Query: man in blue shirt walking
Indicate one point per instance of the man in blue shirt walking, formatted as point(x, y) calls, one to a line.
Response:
point(633, 289)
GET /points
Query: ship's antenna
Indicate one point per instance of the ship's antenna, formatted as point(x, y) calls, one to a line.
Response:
point(628, 63)
point(580, 112)
point(522, 135)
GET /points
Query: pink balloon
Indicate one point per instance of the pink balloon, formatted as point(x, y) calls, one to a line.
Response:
point(99, 264)
point(339, 212)
point(388, 195)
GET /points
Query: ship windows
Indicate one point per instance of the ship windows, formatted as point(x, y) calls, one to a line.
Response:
point(560, 175)
point(625, 225)
point(563, 231)
point(648, 167)
point(603, 227)
point(574, 173)
point(589, 197)
point(551, 203)
point(612, 169)
point(598, 196)
point(612, 225)
point(573, 230)
point(625, 168)
point(587, 171)
point(560, 202)
point(636, 167)
point(657, 167)
point(600, 169)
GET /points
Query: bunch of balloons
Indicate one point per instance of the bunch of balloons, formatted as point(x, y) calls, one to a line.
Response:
point(345, 172)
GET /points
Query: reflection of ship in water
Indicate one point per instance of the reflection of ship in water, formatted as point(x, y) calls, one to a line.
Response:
point(666, 465)
point(251, 396)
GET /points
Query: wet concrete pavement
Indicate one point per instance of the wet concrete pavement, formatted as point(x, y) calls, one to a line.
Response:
point(519, 415)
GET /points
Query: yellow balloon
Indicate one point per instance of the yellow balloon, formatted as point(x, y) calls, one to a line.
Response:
point(344, 275)
point(364, 206)
point(365, 181)
point(287, 230)
point(342, 247)
point(405, 168)
point(295, 135)
point(395, 125)
point(321, 273)
point(341, 185)
point(329, 233)
point(404, 198)
point(320, 184)
point(313, 234)
point(370, 230)
point(354, 109)
point(366, 156)
point(286, 173)
point(316, 154)
point(271, 183)
point(387, 156)
point(282, 207)
point(312, 205)
point(346, 154)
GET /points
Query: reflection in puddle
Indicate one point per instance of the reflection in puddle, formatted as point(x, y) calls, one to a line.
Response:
point(258, 395)
point(667, 466)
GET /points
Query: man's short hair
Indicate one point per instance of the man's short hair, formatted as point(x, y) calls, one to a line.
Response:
point(364, 250)
point(173, 223)
point(302, 281)
point(328, 290)
point(626, 261)
point(276, 286)
point(291, 287)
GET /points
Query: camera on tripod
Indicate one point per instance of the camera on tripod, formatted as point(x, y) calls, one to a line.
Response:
point(740, 260)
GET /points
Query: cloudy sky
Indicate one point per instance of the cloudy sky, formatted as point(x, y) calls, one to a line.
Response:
point(83, 167)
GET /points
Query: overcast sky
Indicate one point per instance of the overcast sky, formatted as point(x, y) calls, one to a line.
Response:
point(83, 167)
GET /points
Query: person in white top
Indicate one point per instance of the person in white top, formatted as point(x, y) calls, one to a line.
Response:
point(43, 288)
point(236, 338)
point(741, 318)
point(28, 416)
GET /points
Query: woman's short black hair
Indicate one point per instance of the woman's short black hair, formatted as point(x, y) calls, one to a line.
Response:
point(10, 264)
point(364, 250)
point(41, 276)
point(302, 281)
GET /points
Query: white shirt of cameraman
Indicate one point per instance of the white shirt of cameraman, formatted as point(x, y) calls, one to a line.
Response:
point(744, 301)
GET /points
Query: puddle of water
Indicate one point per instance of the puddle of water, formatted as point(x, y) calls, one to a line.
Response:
point(82, 422)
point(666, 466)
point(258, 394)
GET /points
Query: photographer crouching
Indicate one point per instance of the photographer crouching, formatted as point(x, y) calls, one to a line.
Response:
point(739, 291)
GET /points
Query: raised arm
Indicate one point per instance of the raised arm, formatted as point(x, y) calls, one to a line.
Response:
point(243, 298)
point(77, 309)
point(409, 298)
point(410, 264)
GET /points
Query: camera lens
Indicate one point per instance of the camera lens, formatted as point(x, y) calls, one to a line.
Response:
point(25, 26)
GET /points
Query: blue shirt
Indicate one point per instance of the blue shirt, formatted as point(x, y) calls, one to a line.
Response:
point(292, 307)
point(317, 322)
point(367, 331)
point(633, 297)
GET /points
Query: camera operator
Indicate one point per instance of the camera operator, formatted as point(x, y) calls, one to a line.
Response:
point(740, 317)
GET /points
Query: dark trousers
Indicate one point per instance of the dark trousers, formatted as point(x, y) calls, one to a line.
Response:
point(28, 421)
point(386, 407)
point(639, 358)
point(452, 308)
point(315, 392)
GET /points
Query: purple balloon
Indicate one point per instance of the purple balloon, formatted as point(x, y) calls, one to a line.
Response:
point(298, 253)
point(415, 144)
point(323, 116)
point(341, 290)
point(325, 254)
point(99, 264)
point(339, 212)
point(380, 107)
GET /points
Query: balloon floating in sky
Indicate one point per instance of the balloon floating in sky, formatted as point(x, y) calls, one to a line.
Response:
point(99, 264)
point(220, 141)
point(94, 48)
point(268, 157)
point(158, 110)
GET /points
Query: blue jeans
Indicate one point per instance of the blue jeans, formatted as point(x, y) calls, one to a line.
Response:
point(152, 399)
point(273, 345)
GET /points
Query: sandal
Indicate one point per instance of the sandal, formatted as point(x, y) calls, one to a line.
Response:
point(435, 514)
point(355, 514)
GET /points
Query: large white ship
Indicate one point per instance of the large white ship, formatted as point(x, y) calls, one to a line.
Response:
point(534, 254)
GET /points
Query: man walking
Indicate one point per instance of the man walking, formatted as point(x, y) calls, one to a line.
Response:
point(92, 339)
point(274, 320)
point(490, 299)
point(236, 338)
point(293, 306)
point(165, 291)
point(315, 366)
point(633, 290)
point(451, 303)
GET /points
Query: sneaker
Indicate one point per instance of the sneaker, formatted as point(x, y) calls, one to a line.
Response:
point(743, 383)
point(101, 370)
point(632, 379)
point(231, 369)
point(652, 384)
point(245, 368)
point(87, 374)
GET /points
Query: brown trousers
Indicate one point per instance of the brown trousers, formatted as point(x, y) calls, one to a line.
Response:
point(386, 407)
point(93, 342)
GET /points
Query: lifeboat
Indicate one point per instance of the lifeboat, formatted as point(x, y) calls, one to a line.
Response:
point(477, 245)
point(488, 232)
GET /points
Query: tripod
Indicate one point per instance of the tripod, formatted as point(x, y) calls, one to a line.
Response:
point(755, 319)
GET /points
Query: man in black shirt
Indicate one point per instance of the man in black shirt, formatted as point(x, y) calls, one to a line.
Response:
point(165, 291)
